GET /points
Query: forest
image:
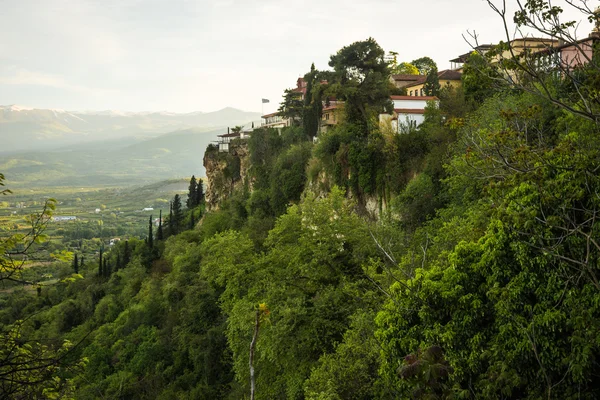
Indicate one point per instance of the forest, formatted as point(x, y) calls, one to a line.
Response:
point(475, 277)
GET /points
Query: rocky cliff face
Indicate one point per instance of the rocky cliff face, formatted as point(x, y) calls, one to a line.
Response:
point(226, 172)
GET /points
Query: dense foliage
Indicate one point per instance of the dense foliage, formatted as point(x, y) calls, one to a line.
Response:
point(478, 279)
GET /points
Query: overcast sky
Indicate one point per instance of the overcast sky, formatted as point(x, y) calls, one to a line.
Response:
point(204, 55)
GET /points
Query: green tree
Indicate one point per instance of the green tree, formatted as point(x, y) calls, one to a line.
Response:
point(75, 264)
point(100, 263)
point(192, 199)
point(361, 79)
point(405, 68)
point(292, 106)
point(313, 105)
point(150, 237)
point(126, 253)
point(424, 65)
point(177, 214)
point(432, 83)
point(200, 192)
point(159, 231)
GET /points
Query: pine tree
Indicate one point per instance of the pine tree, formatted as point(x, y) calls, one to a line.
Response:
point(150, 240)
point(75, 264)
point(192, 200)
point(159, 231)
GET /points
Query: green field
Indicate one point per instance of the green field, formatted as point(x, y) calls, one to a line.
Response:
point(101, 215)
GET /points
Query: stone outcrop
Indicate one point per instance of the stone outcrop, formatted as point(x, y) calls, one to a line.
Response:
point(226, 172)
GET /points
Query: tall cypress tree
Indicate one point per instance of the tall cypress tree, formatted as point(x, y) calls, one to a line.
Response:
point(170, 226)
point(100, 264)
point(192, 200)
point(75, 264)
point(118, 266)
point(126, 254)
point(106, 268)
point(192, 222)
point(150, 240)
point(177, 218)
point(199, 192)
point(159, 231)
point(81, 263)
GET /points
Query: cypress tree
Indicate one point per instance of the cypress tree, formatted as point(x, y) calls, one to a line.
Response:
point(192, 200)
point(81, 263)
point(177, 215)
point(159, 231)
point(75, 264)
point(118, 266)
point(199, 192)
point(100, 264)
point(192, 222)
point(150, 240)
point(126, 254)
point(106, 268)
point(170, 226)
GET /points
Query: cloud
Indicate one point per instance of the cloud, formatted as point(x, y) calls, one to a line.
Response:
point(20, 76)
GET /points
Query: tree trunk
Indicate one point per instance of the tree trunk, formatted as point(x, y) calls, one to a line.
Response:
point(252, 347)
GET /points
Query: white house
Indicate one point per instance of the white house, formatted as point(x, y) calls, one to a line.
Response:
point(64, 218)
point(409, 111)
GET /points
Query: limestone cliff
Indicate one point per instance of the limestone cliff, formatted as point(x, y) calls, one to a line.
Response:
point(225, 173)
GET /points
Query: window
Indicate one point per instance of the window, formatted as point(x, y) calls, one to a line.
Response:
point(411, 92)
point(421, 91)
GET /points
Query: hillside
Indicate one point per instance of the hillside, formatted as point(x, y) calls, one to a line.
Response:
point(113, 162)
point(452, 257)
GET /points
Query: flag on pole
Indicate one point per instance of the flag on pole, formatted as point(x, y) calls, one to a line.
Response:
point(265, 101)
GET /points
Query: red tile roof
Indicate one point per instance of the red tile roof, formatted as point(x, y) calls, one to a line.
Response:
point(449, 75)
point(427, 98)
point(270, 115)
point(226, 135)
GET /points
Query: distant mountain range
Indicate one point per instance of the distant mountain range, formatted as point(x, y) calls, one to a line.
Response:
point(27, 129)
point(108, 148)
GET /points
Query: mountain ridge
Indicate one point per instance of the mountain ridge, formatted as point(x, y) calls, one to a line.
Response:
point(29, 129)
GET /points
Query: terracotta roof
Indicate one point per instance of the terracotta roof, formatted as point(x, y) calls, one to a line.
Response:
point(426, 98)
point(408, 77)
point(270, 115)
point(333, 107)
point(449, 75)
point(409, 111)
point(226, 135)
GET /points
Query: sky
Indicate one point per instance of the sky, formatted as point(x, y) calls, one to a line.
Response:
point(204, 55)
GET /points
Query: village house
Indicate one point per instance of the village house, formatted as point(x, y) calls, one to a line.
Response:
point(447, 78)
point(409, 112)
point(64, 218)
point(225, 140)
